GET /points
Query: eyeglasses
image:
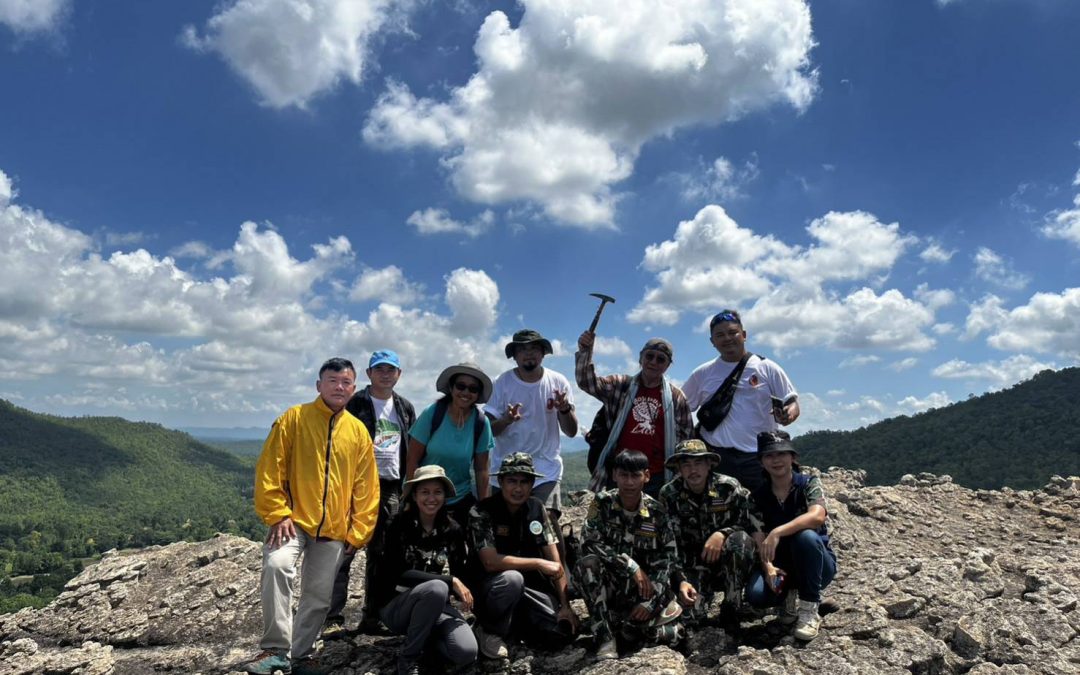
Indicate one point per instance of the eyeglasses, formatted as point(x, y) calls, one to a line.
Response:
point(471, 388)
point(659, 357)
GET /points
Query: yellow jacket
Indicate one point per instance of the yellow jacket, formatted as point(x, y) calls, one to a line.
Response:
point(319, 469)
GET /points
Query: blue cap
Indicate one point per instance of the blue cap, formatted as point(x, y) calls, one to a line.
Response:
point(384, 356)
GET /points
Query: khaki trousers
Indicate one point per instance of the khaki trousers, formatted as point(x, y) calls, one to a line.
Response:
point(281, 631)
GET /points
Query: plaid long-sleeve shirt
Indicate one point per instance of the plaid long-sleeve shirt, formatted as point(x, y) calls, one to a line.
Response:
point(613, 390)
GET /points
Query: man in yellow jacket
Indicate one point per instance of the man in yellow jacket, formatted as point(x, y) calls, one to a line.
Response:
point(317, 488)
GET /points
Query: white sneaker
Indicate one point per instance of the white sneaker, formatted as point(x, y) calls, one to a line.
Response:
point(491, 645)
point(789, 611)
point(806, 628)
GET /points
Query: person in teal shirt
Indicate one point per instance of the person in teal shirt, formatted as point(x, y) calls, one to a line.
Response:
point(453, 433)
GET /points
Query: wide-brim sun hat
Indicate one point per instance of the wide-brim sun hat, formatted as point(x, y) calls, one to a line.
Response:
point(426, 473)
point(689, 449)
point(527, 337)
point(472, 370)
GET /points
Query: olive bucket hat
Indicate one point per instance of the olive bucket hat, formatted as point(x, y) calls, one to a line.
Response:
point(527, 336)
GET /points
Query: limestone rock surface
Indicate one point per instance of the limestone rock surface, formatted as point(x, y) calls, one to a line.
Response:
point(933, 578)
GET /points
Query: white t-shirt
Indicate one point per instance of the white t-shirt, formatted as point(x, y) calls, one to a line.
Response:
point(751, 407)
point(537, 432)
point(387, 439)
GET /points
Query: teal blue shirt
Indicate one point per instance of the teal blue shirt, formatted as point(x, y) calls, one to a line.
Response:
point(452, 448)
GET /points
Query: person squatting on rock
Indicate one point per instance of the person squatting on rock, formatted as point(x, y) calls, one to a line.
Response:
point(387, 417)
point(629, 556)
point(645, 412)
point(523, 592)
point(714, 519)
point(763, 396)
point(418, 572)
point(794, 549)
point(454, 434)
point(529, 405)
point(317, 487)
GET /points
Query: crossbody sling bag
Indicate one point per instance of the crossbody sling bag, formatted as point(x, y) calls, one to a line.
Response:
point(712, 412)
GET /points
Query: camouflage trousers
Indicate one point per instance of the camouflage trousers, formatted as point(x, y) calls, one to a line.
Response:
point(610, 601)
point(728, 575)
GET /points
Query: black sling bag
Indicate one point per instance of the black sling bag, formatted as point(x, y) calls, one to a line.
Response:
point(712, 412)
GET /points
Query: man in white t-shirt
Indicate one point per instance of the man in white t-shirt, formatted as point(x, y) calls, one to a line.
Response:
point(764, 397)
point(528, 407)
point(387, 416)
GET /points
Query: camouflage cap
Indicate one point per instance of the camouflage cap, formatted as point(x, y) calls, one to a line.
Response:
point(518, 462)
point(688, 449)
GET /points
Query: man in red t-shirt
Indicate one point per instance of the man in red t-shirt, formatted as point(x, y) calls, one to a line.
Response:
point(644, 411)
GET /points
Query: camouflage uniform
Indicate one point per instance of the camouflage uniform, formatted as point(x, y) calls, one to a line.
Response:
point(724, 507)
point(614, 544)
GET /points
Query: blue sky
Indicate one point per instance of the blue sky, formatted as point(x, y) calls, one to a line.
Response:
point(201, 201)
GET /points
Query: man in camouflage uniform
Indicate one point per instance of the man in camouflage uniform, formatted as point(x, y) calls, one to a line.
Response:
point(523, 591)
point(715, 521)
point(628, 558)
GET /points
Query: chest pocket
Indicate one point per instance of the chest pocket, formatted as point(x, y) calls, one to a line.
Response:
point(646, 536)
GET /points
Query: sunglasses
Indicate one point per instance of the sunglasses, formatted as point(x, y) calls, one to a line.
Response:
point(655, 356)
point(471, 388)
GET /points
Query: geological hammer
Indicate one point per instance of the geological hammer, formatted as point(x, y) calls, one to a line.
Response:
point(604, 299)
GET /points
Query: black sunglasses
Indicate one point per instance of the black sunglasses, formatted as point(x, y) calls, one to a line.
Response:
point(471, 388)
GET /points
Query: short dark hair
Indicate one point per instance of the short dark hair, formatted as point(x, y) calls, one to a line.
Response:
point(337, 365)
point(725, 315)
point(631, 461)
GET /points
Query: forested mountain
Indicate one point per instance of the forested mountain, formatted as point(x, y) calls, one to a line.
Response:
point(1018, 438)
point(71, 488)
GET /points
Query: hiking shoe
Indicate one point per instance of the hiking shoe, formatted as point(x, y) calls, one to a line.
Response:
point(333, 629)
point(607, 651)
point(267, 663)
point(491, 645)
point(371, 625)
point(806, 628)
point(309, 666)
point(789, 611)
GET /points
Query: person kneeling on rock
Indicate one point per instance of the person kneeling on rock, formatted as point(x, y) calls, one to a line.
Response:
point(420, 571)
point(795, 554)
point(523, 592)
point(629, 556)
point(715, 520)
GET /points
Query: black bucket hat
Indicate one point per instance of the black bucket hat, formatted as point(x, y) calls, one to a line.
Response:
point(769, 442)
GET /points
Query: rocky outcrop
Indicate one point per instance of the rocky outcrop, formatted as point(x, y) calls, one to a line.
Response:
point(934, 578)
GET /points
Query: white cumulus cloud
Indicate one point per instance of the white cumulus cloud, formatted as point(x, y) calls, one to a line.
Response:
point(721, 181)
point(995, 374)
point(385, 285)
point(561, 104)
point(140, 332)
point(812, 295)
point(29, 16)
point(438, 221)
point(290, 51)
point(995, 269)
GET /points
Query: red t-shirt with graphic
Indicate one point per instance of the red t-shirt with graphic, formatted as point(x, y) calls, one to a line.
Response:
point(644, 428)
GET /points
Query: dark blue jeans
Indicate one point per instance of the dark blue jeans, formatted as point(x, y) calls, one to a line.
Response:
point(810, 567)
